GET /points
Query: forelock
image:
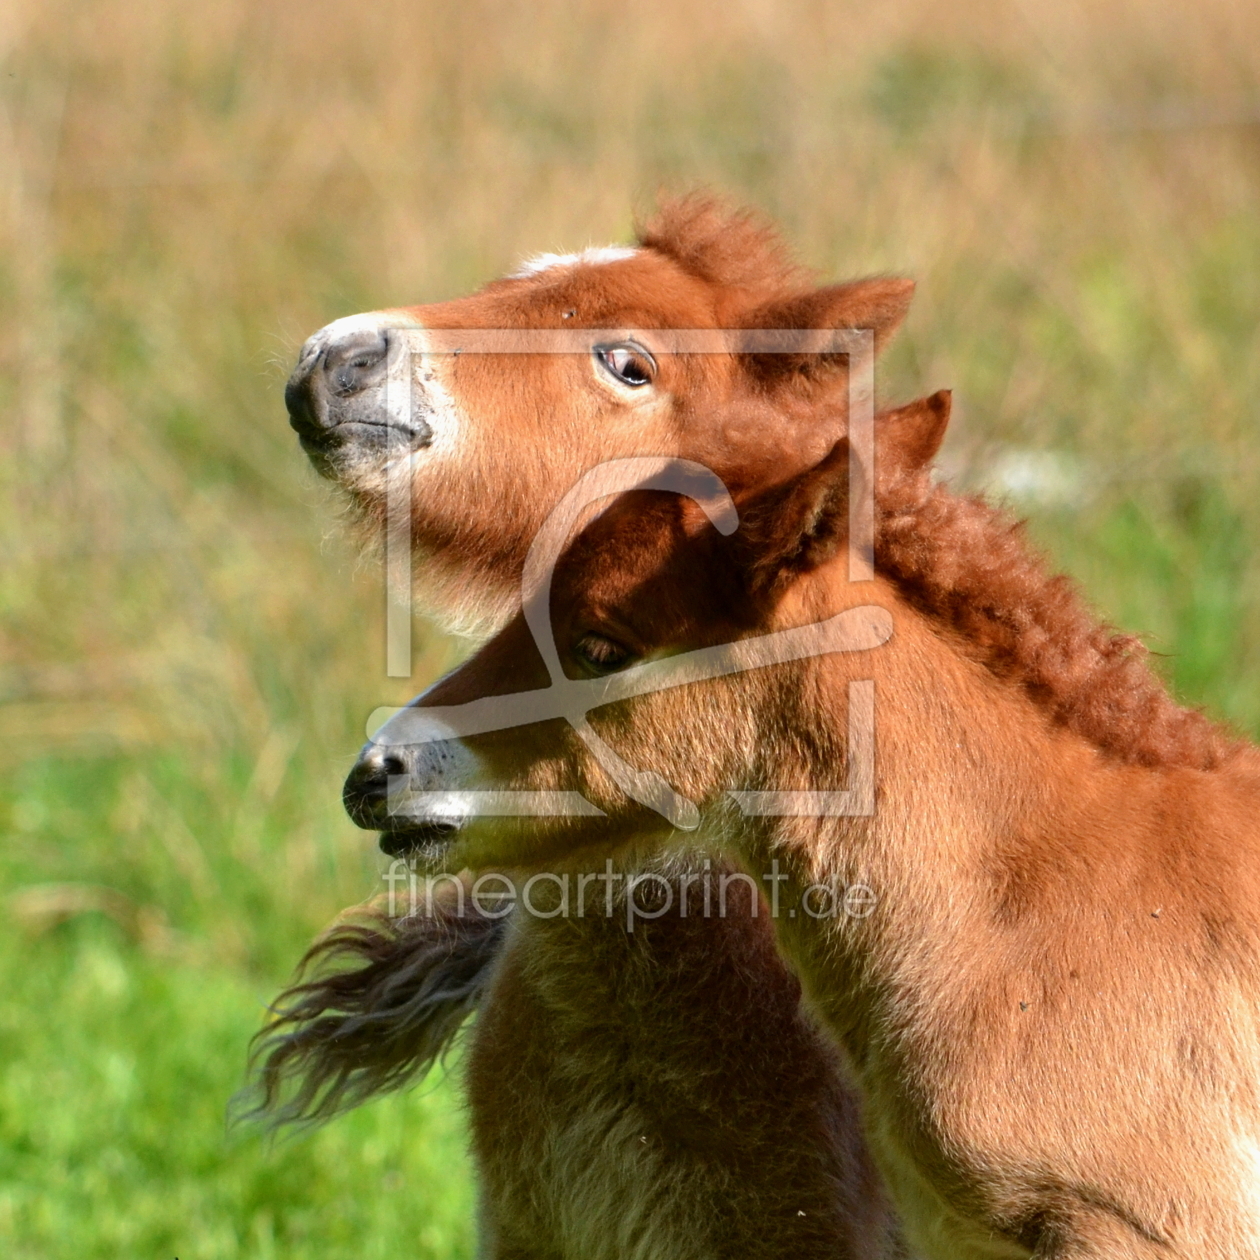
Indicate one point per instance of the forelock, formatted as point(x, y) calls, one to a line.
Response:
point(723, 245)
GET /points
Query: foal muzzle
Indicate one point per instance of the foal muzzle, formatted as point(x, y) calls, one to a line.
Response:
point(381, 794)
point(349, 395)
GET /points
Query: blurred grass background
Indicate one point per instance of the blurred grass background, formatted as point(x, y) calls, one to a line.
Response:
point(187, 649)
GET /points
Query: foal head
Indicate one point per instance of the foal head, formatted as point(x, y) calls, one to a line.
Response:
point(687, 641)
point(484, 410)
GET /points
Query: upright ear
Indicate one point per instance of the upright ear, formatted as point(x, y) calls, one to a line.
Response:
point(804, 348)
point(799, 525)
point(908, 438)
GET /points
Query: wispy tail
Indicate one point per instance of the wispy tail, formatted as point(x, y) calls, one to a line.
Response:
point(384, 1001)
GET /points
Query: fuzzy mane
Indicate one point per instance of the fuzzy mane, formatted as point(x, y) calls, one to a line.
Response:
point(723, 245)
point(968, 565)
point(376, 1003)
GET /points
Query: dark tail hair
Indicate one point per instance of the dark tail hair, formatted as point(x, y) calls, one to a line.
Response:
point(384, 1002)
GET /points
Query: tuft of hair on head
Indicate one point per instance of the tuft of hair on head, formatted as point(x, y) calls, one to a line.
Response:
point(745, 258)
point(716, 241)
point(377, 1003)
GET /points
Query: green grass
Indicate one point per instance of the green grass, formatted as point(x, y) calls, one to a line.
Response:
point(116, 1070)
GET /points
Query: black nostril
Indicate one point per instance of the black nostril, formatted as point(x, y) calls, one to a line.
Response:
point(356, 362)
point(370, 776)
point(366, 790)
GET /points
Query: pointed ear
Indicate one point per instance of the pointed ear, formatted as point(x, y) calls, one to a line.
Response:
point(879, 304)
point(797, 526)
point(908, 438)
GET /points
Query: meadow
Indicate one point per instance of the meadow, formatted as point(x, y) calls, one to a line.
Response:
point(189, 645)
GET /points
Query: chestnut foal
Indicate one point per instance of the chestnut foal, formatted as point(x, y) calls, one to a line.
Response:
point(1048, 988)
point(659, 1094)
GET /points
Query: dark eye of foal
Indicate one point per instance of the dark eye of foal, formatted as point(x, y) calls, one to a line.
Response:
point(628, 362)
point(601, 655)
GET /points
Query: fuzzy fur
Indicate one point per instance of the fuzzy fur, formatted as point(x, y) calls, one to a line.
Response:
point(692, 1036)
point(377, 1003)
point(1053, 1010)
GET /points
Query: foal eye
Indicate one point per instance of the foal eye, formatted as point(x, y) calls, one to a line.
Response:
point(628, 362)
point(601, 655)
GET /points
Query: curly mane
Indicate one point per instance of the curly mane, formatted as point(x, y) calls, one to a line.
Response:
point(377, 1002)
point(969, 566)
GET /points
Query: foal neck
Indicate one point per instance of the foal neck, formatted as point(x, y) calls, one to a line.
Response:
point(989, 818)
